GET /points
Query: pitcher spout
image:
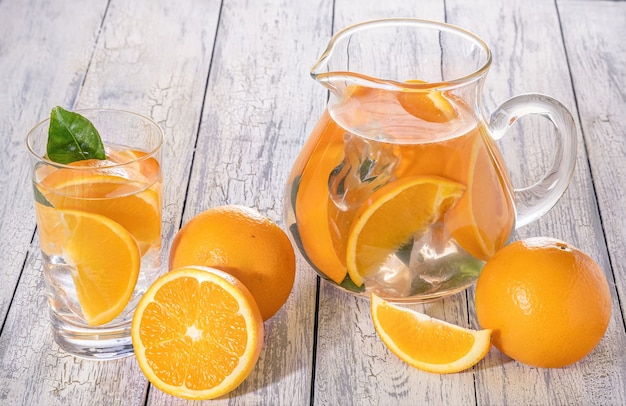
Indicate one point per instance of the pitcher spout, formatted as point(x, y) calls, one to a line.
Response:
point(395, 54)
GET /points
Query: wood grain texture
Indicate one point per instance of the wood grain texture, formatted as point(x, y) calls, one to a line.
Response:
point(29, 85)
point(44, 56)
point(543, 68)
point(229, 82)
point(147, 60)
point(256, 111)
point(593, 38)
point(593, 35)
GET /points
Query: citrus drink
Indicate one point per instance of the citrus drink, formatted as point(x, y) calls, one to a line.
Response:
point(399, 192)
point(99, 228)
point(121, 203)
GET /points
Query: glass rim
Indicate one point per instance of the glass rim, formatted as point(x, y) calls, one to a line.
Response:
point(149, 154)
point(476, 74)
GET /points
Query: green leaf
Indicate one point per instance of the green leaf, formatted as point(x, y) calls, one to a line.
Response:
point(72, 137)
point(40, 198)
point(351, 286)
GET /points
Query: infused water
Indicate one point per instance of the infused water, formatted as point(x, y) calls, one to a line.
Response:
point(88, 282)
point(399, 192)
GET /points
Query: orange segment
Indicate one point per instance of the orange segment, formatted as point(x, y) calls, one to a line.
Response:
point(313, 199)
point(197, 333)
point(426, 343)
point(108, 195)
point(90, 183)
point(483, 219)
point(148, 166)
point(427, 104)
point(395, 213)
point(106, 258)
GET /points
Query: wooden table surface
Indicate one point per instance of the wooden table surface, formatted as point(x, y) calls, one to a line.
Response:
point(228, 80)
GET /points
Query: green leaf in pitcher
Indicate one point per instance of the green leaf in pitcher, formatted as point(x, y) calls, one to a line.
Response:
point(72, 137)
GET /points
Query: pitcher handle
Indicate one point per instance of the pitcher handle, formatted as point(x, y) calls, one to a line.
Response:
point(534, 201)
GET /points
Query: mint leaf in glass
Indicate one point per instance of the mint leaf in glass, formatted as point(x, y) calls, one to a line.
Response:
point(72, 137)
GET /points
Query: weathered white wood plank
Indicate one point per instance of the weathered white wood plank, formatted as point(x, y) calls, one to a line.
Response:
point(39, 66)
point(151, 57)
point(352, 362)
point(257, 109)
point(529, 56)
point(154, 57)
point(596, 51)
point(44, 53)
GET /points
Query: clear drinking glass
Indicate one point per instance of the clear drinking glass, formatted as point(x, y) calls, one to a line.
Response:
point(99, 227)
point(400, 188)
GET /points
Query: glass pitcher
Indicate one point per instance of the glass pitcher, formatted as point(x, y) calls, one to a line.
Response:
point(400, 189)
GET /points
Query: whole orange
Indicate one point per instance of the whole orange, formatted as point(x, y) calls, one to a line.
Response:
point(242, 242)
point(548, 303)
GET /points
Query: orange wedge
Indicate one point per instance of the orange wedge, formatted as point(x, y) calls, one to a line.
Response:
point(90, 183)
point(483, 219)
point(428, 104)
point(426, 343)
point(197, 333)
point(394, 214)
point(109, 195)
point(148, 167)
point(313, 198)
point(106, 258)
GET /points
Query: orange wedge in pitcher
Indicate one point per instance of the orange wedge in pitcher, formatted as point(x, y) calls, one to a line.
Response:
point(428, 104)
point(483, 219)
point(395, 213)
point(312, 200)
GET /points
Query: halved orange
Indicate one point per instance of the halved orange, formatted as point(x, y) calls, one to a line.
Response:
point(197, 333)
point(107, 262)
point(426, 343)
point(393, 215)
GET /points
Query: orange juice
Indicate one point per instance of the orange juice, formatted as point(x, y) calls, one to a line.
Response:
point(347, 170)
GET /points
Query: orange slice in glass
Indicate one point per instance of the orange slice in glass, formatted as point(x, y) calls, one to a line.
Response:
point(426, 343)
point(107, 261)
point(148, 167)
point(116, 197)
point(197, 333)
